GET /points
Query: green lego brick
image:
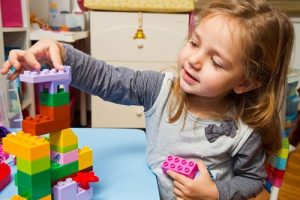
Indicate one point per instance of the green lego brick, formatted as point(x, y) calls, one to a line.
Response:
point(33, 167)
point(60, 171)
point(35, 193)
point(35, 180)
point(58, 99)
point(64, 149)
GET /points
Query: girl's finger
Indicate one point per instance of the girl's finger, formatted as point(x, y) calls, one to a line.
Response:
point(178, 193)
point(54, 52)
point(31, 60)
point(178, 185)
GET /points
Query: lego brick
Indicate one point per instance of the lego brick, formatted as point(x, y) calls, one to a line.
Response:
point(54, 87)
point(64, 149)
point(44, 124)
point(26, 146)
point(46, 75)
point(85, 194)
point(85, 178)
point(64, 158)
point(17, 197)
point(57, 112)
point(180, 165)
point(35, 180)
point(48, 197)
point(63, 138)
point(58, 99)
point(88, 169)
point(5, 176)
point(65, 190)
point(34, 166)
point(85, 158)
point(60, 171)
point(34, 193)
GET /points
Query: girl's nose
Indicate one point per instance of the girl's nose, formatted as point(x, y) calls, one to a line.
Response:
point(196, 60)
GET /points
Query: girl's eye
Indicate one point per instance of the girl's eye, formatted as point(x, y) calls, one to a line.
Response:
point(216, 64)
point(193, 43)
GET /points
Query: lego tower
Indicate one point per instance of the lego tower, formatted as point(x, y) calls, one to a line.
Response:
point(46, 161)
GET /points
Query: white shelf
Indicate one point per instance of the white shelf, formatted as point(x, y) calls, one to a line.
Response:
point(14, 29)
point(59, 36)
point(293, 75)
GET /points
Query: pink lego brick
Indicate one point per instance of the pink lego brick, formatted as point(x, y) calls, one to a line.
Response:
point(187, 168)
point(64, 158)
point(46, 75)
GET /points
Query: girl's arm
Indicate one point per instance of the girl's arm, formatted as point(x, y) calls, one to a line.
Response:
point(115, 84)
point(249, 170)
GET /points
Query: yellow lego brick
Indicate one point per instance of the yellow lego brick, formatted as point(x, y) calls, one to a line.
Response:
point(48, 197)
point(26, 146)
point(85, 158)
point(17, 197)
point(63, 138)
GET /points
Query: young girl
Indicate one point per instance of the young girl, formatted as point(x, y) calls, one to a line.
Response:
point(220, 110)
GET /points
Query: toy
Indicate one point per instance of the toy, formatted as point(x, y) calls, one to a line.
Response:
point(5, 176)
point(42, 162)
point(187, 168)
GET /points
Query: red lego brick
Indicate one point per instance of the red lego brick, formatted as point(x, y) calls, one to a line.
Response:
point(56, 112)
point(84, 178)
point(43, 124)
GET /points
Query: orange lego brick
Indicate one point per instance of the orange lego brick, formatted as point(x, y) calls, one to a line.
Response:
point(56, 112)
point(17, 197)
point(48, 197)
point(26, 146)
point(43, 124)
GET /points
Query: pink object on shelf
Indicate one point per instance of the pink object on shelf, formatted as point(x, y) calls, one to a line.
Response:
point(187, 168)
point(11, 13)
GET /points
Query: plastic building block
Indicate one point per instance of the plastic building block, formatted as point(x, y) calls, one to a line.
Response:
point(57, 112)
point(34, 193)
point(64, 158)
point(64, 149)
point(44, 124)
point(33, 166)
point(32, 181)
point(54, 87)
point(181, 166)
point(84, 178)
point(46, 75)
point(58, 99)
point(3, 132)
point(85, 194)
point(60, 171)
point(63, 138)
point(26, 146)
point(65, 190)
point(85, 158)
point(48, 197)
point(3, 156)
point(17, 197)
point(5, 176)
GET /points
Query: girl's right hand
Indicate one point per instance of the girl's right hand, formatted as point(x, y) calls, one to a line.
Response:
point(45, 51)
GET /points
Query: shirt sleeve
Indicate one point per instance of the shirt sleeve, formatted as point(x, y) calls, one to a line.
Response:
point(119, 85)
point(249, 172)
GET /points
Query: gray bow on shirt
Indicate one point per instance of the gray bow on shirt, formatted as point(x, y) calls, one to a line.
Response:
point(227, 127)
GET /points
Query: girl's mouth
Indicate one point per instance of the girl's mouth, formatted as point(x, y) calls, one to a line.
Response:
point(189, 78)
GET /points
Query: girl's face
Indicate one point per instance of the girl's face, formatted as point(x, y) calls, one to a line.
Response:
point(210, 63)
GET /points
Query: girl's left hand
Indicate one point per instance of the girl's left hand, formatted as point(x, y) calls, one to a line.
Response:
point(201, 187)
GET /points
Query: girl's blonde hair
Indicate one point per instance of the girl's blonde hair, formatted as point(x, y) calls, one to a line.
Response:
point(267, 38)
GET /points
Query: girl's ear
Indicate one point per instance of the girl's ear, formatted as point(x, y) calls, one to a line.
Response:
point(246, 86)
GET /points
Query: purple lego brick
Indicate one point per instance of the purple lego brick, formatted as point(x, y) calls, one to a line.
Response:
point(53, 86)
point(46, 75)
point(84, 194)
point(65, 190)
point(187, 168)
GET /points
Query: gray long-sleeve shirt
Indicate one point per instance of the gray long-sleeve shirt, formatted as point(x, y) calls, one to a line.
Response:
point(238, 161)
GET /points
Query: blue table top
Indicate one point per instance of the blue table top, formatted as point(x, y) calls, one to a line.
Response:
point(119, 162)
